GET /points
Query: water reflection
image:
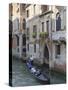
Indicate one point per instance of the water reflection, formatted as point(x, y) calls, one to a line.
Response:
point(21, 75)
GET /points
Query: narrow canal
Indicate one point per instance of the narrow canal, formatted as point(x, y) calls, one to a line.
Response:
point(22, 77)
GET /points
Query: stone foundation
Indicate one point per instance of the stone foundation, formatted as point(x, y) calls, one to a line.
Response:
point(60, 68)
point(38, 62)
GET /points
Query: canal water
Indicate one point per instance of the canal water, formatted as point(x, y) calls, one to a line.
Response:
point(22, 77)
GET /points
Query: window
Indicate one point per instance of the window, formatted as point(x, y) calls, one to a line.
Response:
point(58, 22)
point(35, 30)
point(17, 10)
point(42, 26)
point(27, 33)
point(24, 24)
point(24, 40)
point(11, 9)
point(10, 26)
point(17, 23)
point(24, 49)
point(27, 13)
point(23, 7)
point(44, 8)
point(17, 3)
point(28, 47)
point(57, 50)
point(34, 8)
point(17, 40)
point(63, 20)
point(35, 48)
point(47, 26)
point(18, 49)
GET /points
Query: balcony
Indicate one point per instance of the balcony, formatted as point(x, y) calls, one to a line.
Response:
point(43, 35)
point(34, 34)
point(59, 36)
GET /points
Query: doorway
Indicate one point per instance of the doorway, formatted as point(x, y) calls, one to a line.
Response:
point(46, 56)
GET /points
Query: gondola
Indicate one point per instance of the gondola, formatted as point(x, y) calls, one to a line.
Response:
point(37, 73)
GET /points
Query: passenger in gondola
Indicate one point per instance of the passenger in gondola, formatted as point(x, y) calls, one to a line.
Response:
point(38, 72)
point(33, 70)
point(29, 65)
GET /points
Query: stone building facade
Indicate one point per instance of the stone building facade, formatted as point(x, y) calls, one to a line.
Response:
point(17, 14)
point(59, 38)
point(39, 31)
point(46, 35)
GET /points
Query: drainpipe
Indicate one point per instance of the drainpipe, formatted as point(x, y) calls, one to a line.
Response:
point(50, 45)
point(51, 39)
point(39, 38)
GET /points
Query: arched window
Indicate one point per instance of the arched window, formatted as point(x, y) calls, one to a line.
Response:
point(58, 22)
point(17, 40)
point(24, 23)
point(17, 23)
point(24, 40)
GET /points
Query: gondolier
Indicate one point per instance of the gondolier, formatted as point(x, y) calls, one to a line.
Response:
point(29, 65)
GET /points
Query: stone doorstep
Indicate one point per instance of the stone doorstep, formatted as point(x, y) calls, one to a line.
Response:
point(39, 62)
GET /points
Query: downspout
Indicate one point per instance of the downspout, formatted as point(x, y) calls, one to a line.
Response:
point(50, 61)
point(39, 37)
point(51, 40)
